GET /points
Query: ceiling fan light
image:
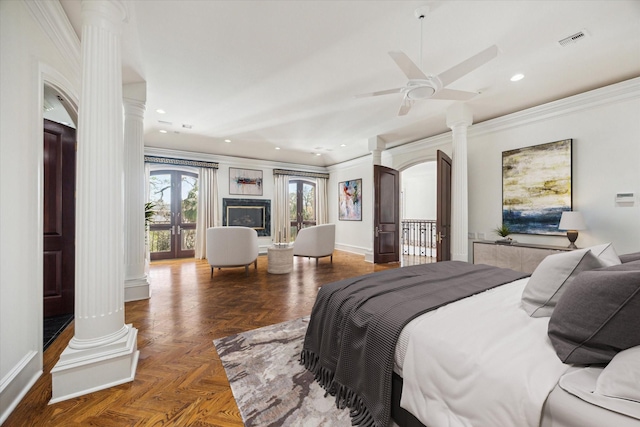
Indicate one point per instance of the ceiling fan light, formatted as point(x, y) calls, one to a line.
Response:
point(421, 92)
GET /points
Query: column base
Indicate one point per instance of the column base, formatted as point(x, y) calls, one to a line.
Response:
point(136, 289)
point(80, 372)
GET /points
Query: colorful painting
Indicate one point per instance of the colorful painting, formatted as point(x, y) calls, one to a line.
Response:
point(247, 182)
point(536, 187)
point(350, 200)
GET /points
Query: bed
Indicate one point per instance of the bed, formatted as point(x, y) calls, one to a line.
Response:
point(525, 351)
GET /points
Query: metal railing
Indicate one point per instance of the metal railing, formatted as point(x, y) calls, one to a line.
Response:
point(419, 237)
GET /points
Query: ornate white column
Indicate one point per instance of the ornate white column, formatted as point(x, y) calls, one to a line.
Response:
point(103, 351)
point(459, 118)
point(136, 285)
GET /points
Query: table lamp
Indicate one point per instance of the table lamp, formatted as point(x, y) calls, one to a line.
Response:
point(572, 222)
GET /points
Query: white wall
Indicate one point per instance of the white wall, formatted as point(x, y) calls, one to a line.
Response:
point(27, 58)
point(353, 236)
point(605, 127)
point(419, 185)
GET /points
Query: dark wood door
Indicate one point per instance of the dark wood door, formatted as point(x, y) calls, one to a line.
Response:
point(386, 215)
point(59, 218)
point(443, 208)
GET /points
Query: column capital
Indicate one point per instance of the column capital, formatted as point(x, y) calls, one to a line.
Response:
point(110, 14)
point(459, 114)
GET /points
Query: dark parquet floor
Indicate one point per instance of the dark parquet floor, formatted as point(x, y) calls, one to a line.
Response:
point(180, 380)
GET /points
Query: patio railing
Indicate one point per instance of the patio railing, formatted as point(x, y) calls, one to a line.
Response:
point(419, 237)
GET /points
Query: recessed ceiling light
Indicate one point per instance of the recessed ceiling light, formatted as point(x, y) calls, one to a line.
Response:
point(160, 111)
point(227, 140)
point(318, 154)
point(277, 148)
point(343, 145)
point(163, 131)
point(517, 77)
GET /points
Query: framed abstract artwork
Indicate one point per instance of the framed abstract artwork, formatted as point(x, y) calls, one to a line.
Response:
point(350, 200)
point(536, 187)
point(247, 182)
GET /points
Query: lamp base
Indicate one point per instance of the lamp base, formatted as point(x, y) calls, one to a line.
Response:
point(572, 235)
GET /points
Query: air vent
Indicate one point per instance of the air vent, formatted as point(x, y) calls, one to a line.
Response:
point(186, 126)
point(573, 38)
point(164, 122)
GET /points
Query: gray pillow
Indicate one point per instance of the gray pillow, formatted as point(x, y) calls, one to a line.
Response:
point(553, 274)
point(630, 257)
point(598, 315)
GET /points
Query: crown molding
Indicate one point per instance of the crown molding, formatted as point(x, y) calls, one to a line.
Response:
point(618, 92)
point(55, 24)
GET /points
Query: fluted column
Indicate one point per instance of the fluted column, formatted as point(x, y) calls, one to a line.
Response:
point(136, 285)
point(103, 351)
point(459, 118)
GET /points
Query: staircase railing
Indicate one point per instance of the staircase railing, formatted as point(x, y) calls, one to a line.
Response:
point(419, 237)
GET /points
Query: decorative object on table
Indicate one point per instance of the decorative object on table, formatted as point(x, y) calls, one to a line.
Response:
point(247, 182)
point(536, 187)
point(350, 200)
point(252, 213)
point(572, 222)
point(268, 382)
point(503, 231)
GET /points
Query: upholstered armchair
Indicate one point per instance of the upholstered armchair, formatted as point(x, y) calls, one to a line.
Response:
point(232, 247)
point(315, 242)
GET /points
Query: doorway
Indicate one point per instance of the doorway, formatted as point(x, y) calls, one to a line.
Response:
point(174, 195)
point(302, 205)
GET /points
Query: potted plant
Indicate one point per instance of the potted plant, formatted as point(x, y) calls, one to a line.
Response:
point(503, 231)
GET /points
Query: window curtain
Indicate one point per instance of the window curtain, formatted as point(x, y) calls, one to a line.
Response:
point(207, 208)
point(282, 222)
point(322, 208)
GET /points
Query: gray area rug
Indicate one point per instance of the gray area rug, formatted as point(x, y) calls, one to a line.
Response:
point(270, 386)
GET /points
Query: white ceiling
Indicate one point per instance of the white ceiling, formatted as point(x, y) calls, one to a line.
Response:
point(269, 74)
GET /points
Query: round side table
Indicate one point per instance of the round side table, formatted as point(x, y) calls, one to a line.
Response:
point(279, 259)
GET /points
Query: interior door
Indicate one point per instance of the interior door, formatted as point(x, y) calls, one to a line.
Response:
point(386, 215)
point(173, 226)
point(59, 222)
point(443, 208)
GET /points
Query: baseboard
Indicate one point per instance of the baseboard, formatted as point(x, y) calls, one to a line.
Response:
point(137, 289)
point(15, 385)
point(352, 249)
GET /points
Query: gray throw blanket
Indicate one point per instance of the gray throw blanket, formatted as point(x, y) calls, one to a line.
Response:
point(355, 325)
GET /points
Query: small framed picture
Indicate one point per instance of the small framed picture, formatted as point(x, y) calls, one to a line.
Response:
point(350, 200)
point(246, 182)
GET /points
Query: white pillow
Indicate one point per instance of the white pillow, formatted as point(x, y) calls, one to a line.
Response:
point(547, 283)
point(606, 253)
point(620, 379)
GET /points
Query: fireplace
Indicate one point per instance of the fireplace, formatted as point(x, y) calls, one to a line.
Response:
point(252, 213)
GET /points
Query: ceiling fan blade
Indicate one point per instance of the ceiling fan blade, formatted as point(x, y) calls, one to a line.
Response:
point(454, 95)
point(405, 106)
point(408, 67)
point(467, 66)
point(381, 92)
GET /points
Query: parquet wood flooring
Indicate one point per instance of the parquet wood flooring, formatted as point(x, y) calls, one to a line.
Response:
point(180, 380)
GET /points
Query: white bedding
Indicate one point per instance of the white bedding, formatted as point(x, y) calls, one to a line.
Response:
point(479, 362)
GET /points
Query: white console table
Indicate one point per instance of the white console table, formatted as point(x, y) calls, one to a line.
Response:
point(516, 256)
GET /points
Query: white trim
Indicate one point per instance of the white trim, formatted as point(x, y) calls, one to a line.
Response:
point(55, 24)
point(17, 383)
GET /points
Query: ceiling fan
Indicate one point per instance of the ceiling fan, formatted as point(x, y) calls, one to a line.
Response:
point(420, 86)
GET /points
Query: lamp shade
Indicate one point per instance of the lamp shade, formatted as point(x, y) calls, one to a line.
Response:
point(572, 221)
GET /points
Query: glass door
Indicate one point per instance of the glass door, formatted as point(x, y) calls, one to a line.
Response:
point(302, 205)
point(172, 233)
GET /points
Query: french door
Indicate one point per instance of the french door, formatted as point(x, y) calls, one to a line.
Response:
point(302, 205)
point(172, 233)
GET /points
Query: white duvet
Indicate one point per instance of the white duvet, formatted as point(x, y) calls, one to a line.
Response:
point(480, 362)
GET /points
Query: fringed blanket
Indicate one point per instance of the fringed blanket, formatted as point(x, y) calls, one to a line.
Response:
point(355, 324)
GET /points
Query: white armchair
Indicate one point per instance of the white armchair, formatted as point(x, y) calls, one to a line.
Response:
point(232, 247)
point(315, 242)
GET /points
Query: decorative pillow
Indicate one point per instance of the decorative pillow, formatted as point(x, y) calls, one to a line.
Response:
point(630, 257)
point(553, 274)
point(606, 253)
point(598, 315)
point(620, 378)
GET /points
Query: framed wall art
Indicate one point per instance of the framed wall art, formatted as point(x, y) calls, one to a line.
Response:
point(536, 187)
point(247, 182)
point(350, 200)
